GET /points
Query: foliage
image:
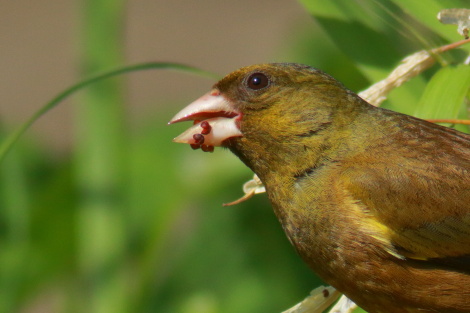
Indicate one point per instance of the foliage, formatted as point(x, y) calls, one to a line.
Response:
point(143, 230)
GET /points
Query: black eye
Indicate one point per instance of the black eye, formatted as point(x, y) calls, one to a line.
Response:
point(257, 81)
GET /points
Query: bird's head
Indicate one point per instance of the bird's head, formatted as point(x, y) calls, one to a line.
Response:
point(268, 114)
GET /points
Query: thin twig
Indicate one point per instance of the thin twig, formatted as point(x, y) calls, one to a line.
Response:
point(450, 121)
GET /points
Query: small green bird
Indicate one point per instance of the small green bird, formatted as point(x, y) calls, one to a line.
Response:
point(376, 202)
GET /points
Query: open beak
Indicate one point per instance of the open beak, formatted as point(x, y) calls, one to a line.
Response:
point(215, 120)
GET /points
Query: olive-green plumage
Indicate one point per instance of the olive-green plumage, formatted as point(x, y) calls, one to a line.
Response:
point(376, 202)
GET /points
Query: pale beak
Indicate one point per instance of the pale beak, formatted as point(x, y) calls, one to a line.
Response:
point(215, 120)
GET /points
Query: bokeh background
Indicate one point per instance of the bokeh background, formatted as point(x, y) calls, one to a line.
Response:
point(101, 212)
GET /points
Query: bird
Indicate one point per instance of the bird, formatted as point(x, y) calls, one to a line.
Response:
point(376, 202)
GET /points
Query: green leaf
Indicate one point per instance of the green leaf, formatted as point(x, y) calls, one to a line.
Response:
point(445, 93)
point(426, 13)
point(358, 29)
point(6, 145)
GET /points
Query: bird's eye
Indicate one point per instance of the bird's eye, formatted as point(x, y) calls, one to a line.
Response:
point(257, 81)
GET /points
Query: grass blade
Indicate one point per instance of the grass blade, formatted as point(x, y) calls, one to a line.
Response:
point(10, 140)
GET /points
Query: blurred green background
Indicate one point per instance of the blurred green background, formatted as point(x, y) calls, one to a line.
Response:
point(101, 212)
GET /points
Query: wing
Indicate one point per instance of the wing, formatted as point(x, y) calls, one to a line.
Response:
point(420, 195)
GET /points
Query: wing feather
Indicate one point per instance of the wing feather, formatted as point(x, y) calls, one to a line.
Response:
point(421, 196)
